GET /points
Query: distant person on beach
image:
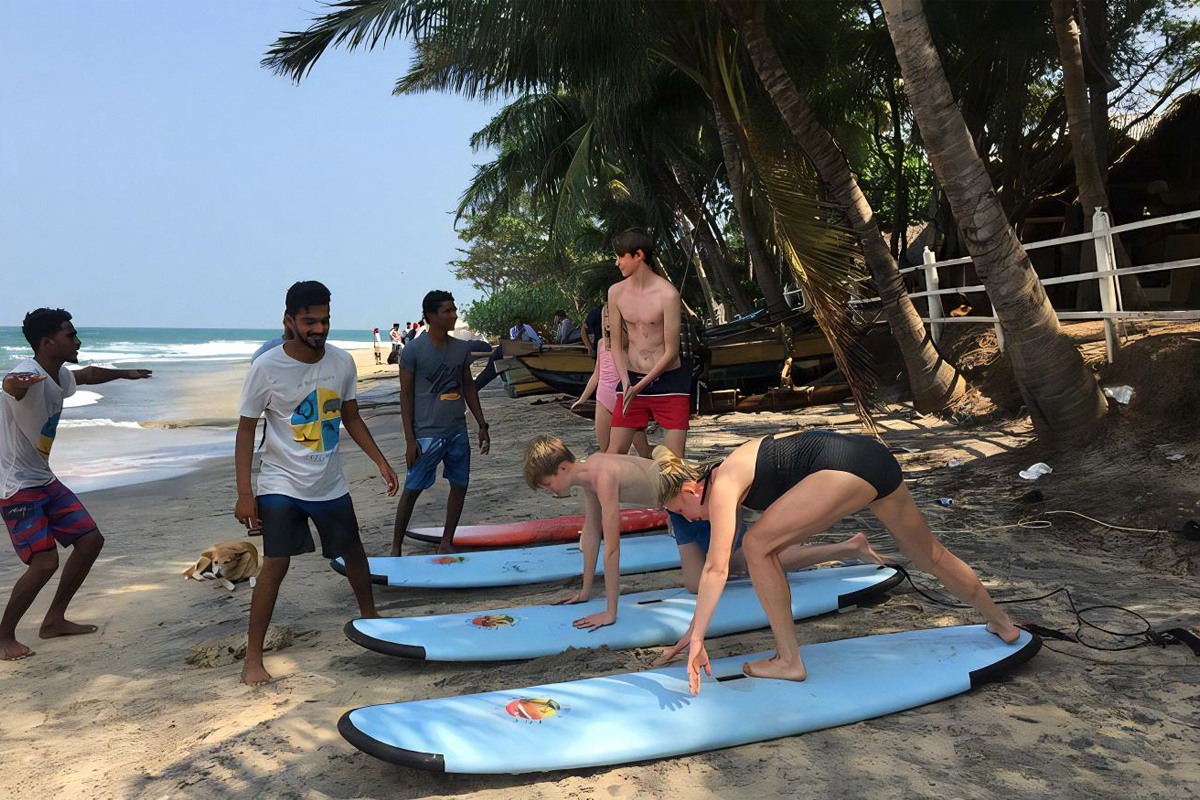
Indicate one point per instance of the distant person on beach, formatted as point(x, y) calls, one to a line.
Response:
point(522, 331)
point(307, 389)
point(435, 391)
point(397, 342)
point(591, 330)
point(645, 313)
point(269, 344)
point(378, 348)
point(608, 480)
point(38, 509)
point(565, 331)
point(407, 336)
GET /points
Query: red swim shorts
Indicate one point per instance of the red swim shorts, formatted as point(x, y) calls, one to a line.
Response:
point(42, 515)
point(670, 411)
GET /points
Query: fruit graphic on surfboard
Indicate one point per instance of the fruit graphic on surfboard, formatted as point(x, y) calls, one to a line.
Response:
point(447, 559)
point(494, 621)
point(533, 708)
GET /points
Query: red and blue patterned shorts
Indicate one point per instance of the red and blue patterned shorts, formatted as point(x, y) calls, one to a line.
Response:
point(42, 515)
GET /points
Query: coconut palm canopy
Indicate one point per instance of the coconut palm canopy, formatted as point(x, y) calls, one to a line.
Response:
point(765, 143)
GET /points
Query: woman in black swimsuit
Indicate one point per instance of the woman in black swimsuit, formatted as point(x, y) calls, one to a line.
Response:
point(803, 483)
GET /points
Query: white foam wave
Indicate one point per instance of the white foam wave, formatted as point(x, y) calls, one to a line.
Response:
point(97, 423)
point(82, 397)
point(233, 350)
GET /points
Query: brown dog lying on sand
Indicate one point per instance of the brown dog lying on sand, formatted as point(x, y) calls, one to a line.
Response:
point(229, 562)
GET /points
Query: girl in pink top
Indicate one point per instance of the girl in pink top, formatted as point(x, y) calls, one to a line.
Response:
point(604, 382)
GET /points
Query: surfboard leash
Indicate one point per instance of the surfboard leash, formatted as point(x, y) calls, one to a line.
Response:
point(1147, 635)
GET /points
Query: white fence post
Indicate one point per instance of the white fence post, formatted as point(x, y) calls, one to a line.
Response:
point(1106, 262)
point(935, 300)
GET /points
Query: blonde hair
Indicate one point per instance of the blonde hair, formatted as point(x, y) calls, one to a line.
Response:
point(674, 472)
point(542, 457)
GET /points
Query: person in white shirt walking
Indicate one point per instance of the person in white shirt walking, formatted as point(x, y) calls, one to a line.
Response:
point(38, 509)
point(307, 389)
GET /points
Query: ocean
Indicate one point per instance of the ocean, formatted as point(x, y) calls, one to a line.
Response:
point(125, 432)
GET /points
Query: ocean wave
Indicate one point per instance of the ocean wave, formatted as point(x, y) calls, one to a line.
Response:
point(233, 350)
point(82, 397)
point(97, 423)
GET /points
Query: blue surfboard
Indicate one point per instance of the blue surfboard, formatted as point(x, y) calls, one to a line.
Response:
point(643, 715)
point(644, 619)
point(517, 566)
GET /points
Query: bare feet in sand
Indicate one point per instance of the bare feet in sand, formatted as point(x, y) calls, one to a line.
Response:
point(255, 675)
point(776, 668)
point(862, 548)
point(12, 650)
point(1008, 632)
point(63, 627)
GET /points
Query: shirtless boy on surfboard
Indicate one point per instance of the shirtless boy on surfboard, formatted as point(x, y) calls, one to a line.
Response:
point(607, 480)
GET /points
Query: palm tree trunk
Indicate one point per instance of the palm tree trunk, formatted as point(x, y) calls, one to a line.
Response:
point(1060, 392)
point(760, 263)
point(933, 380)
point(709, 248)
point(702, 275)
point(1088, 145)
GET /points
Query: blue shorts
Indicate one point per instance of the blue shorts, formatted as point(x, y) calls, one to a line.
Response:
point(454, 452)
point(285, 529)
point(698, 532)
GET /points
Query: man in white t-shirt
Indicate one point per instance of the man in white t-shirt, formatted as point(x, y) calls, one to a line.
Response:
point(307, 390)
point(39, 511)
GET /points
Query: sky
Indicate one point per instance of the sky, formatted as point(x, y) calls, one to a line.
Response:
point(153, 174)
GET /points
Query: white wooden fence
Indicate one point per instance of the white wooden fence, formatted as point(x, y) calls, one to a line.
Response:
point(1106, 274)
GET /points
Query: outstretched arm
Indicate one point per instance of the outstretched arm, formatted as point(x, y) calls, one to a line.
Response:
point(589, 545)
point(723, 504)
point(607, 492)
point(246, 510)
point(93, 375)
point(17, 384)
point(592, 383)
point(357, 429)
point(471, 396)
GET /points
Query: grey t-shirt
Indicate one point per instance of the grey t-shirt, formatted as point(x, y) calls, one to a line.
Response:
point(440, 410)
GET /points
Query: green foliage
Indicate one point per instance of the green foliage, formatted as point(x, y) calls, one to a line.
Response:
point(533, 303)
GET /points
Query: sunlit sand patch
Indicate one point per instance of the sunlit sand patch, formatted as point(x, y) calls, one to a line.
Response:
point(135, 587)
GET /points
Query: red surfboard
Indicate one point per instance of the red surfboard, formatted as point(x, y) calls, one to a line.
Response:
point(539, 531)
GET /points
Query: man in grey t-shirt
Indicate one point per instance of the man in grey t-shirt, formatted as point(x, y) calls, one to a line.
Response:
point(435, 391)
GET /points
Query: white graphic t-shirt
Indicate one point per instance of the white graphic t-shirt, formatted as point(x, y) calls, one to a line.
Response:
point(28, 427)
point(303, 406)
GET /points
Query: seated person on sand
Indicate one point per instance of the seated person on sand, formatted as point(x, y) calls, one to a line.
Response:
point(803, 482)
point(607, 480)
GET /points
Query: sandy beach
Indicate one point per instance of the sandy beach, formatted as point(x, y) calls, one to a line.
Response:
point(120, 714)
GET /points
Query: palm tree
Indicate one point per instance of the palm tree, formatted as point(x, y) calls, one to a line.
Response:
point(933, 380)
point(1060, 392)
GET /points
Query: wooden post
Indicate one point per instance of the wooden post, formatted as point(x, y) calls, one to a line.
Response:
point(1106, 262)
point(934, 300)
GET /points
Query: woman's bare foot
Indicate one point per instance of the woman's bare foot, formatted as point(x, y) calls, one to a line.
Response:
point(12, 650)
point(255, 675)
point(776, 667)
point(63, 627)
point(862, 548)
point(1008, 632)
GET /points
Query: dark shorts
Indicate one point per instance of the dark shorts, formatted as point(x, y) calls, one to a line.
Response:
point(699, 532)
point(41, 516)
point(453, 452)
point(285, 528)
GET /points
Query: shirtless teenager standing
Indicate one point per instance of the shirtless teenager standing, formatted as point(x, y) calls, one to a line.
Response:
point(645, 312)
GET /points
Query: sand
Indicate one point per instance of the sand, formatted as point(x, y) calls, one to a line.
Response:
point(120, 714)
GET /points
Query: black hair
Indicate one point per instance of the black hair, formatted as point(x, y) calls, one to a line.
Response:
point(632, 240)
point(41, 323)
point(433, 301)
point(305, 294)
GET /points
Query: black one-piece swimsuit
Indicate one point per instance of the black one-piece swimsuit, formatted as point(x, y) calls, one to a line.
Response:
point(785, 461)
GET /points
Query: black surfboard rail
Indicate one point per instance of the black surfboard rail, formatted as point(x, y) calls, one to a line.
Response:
point(380, 646)
point(431, 762)
point(993, 672)
point(852, 599)
point(341, 570)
